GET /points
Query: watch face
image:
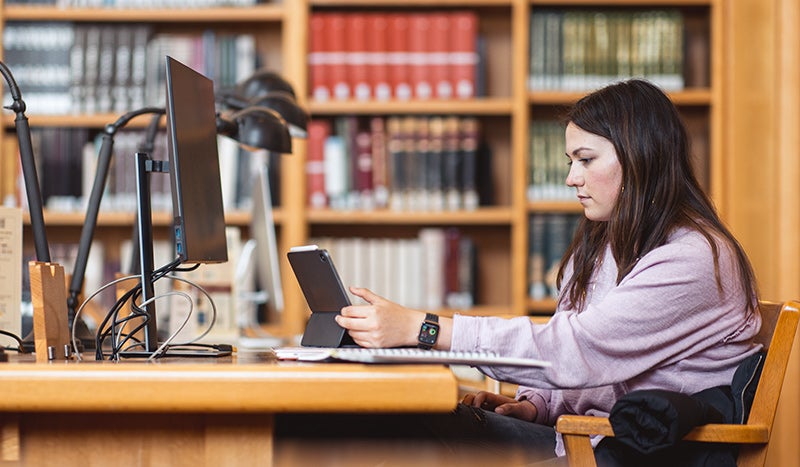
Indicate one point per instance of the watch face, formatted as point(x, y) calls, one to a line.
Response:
point(428, 333)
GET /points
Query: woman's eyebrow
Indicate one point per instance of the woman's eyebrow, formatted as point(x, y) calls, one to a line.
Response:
point(577, 151)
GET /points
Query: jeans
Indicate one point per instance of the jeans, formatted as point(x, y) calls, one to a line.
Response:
point(466, 436)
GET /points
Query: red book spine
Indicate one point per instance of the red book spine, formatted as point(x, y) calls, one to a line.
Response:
point(319, 59)
point(464, 53)
point(356, 56)
point(398, 56)
point(419, 48)
point(318, 132)
point(439, 44)
point(377, 56)
point(335, 26)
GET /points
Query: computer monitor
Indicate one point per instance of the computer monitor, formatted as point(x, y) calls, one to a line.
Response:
point(262, 230)
point(199, 219)
point(199, 224)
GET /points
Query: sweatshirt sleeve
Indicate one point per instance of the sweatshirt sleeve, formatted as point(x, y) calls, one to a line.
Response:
point(666, 309)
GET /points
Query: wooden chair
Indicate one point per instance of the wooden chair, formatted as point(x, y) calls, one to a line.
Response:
point(779, 324)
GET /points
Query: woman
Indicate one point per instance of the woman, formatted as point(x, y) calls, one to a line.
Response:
point(655, 292)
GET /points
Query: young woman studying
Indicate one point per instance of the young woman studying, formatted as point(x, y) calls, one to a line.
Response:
point(655, 292)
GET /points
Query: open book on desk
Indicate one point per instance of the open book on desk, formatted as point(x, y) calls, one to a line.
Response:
point(403, 355)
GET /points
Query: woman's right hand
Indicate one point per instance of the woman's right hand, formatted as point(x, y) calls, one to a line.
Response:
point(502, 405)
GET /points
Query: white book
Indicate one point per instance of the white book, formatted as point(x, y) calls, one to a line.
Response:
point(11, 272)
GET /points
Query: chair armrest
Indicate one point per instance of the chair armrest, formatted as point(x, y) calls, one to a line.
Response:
point(710, 433)
point(584, 425)
point(729, 433)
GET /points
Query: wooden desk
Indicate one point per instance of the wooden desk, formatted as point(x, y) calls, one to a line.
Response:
point(189, 412)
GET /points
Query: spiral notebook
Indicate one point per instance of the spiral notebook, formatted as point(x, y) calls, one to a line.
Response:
point(403, 355)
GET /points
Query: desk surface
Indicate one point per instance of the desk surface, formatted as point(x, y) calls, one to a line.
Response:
point(244, 383)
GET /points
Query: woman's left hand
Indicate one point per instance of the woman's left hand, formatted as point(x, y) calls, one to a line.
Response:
point(380, 323)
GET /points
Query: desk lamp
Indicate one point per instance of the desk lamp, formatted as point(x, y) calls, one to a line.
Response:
point(32, 190)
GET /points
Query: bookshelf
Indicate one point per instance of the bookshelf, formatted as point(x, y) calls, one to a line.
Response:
point(505, 112)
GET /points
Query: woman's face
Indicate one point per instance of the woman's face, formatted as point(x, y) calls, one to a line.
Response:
point(594, 171)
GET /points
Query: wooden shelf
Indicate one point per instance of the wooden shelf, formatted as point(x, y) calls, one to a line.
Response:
point(122, 219)
point(687, 97)
point(258, 13)
point(483, 216)
point(481, 106)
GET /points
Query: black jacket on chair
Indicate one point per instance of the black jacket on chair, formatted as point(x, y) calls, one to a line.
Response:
point(649, 424)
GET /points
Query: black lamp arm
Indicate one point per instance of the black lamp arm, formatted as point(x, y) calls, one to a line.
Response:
point(28, 167)
point(93, 204)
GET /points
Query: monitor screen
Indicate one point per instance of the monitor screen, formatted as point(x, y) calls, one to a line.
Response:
point(262, 230)
point(194, 166)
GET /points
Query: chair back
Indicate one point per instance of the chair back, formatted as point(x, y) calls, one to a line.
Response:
point(777, 334)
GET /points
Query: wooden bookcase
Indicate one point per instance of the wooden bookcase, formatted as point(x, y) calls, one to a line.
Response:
point(501, 230)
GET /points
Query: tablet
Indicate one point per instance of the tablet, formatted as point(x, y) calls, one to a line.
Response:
point(325, 294)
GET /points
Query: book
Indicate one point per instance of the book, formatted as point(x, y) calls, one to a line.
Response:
point(362, 176)
point(318, 132)
point(396, 150)
point(398, 56)
point(464, 54)
point(356, 64)
point(336, 172)
point(468, 133)
point(418, 46)
point(451, 164)
point(335, 36)
point(11, 272)
point(440, 44)
point(378, 56)
point(319, 58)
point(380, 162)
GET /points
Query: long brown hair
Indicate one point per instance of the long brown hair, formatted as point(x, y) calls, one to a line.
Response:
point(659, 189)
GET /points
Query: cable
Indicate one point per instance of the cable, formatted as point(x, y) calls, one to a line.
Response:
point(21, 348)
point(112, 325)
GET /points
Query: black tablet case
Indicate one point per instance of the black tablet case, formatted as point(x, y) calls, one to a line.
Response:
point(325, 295)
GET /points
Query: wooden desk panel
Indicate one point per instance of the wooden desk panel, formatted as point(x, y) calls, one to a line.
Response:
point(190, 412)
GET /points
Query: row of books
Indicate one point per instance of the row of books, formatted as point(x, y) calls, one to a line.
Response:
point(549, 236)
point(86, 68)
point(548, 163)
point(411, 163)
point(576, 50)
point(66, 160)
point(434, 270)
point(122, 4)
point(420, 55)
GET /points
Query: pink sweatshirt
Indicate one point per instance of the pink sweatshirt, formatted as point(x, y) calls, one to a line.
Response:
point(664, 326)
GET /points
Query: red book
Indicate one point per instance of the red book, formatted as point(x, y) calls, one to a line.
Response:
point(356, 56)
point(335, 27)
point(319, 59)
point(438, 57)
point(464, 53)
point(398, 56)
point(419, 48)
point(318, 132)
point(377, 55)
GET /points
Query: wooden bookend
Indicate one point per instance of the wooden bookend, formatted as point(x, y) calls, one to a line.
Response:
point(50, 320)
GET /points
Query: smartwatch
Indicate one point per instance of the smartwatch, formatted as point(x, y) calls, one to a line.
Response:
point(428, 332)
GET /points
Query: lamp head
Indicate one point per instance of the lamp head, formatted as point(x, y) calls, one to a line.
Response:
point(286, 106)
point(257, 127)
point(263, 82)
